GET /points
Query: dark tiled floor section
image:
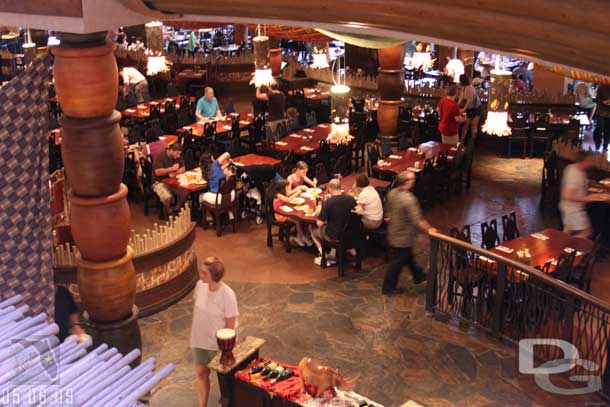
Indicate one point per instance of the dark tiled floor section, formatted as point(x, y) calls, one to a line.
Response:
point(401, 353)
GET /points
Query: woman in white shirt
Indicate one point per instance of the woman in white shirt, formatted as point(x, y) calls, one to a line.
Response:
point(215, 308)
point(369, 205)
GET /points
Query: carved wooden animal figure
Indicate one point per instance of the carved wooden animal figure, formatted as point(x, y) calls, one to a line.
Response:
point(323, 378)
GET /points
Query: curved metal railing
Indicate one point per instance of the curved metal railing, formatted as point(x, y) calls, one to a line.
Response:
point(514, 301)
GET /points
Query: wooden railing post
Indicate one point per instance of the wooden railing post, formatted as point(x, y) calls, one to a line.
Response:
point(497, 314)
point(431, 286)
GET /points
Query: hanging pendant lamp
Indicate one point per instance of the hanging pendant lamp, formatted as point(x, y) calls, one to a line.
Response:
point(320, 56)
point(496, 123)
point(262, 64)
point(154, 49)
point(29, 50)
point(340, 95)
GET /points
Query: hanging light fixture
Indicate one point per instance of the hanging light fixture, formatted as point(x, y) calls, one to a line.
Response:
point(320, 56)
point(496, 123)
point(340, 94)
point(154, 49)
point(29, 50)
point(262, 64)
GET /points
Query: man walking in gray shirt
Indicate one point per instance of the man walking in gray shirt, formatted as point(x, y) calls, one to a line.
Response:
point(405, 218)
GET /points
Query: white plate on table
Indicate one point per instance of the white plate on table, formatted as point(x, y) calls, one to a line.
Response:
point(305, 148)
point(297, 201)
point(285, 208)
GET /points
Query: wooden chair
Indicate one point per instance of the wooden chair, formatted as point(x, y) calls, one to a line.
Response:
point(458, 169)
point(353, 237)
point(358, 148)
point(520, 132)
point(489, 234)
point(541, 133)
point(582, 274)
point(222, 205)
point(321, 174)
point(550, 182)
point(284, 228)
point(373, 155)
point(386, 148)
point(564, 266)
point(510, 230)
point(147, 192)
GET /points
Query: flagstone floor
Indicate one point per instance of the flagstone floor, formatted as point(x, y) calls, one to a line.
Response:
point(400, 352)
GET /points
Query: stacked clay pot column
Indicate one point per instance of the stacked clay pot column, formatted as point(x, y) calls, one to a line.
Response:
point(86, 81)
point(391, 87)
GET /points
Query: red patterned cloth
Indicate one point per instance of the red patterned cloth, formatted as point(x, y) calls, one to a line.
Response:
point(290, 389)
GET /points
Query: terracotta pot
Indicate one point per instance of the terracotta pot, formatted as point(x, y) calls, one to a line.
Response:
point(387, 117)
point(391, 84)
point(101, 226)
point(86, 80)
point(275, 60)
point(392, 57)
point(107, 289)
point(92, 151)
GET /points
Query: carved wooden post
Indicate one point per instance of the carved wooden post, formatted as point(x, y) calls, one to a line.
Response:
point(391, 87)
point(86, 80)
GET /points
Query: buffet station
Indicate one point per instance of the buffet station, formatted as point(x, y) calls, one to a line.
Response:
point(247, 379)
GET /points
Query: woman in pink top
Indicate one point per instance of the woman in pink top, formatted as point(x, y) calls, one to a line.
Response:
point(299, 179)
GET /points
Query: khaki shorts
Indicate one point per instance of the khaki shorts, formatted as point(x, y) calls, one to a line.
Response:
point(321, 234)
point(164, 192)
point(203, 357)
point(450, 139)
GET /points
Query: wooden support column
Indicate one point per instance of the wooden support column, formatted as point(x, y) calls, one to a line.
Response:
point(467, 57)
point(241, 34)
point(86, 81)
point(391, 87)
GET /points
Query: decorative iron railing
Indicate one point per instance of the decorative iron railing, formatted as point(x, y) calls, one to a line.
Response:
point(514, 301)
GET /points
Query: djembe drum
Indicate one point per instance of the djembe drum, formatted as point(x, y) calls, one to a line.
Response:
point(226, 343)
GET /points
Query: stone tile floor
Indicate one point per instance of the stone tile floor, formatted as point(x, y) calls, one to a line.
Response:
point(401, 353)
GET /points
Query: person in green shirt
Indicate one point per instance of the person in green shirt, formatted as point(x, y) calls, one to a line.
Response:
point(207, 106)
point(406, 219)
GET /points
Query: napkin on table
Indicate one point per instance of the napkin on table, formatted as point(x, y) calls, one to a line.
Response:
point(286, 208)
point(396, 157)
point(504, 249)
point(540, 236)
point(309, 130)
point(306, 148)
point(281, 143)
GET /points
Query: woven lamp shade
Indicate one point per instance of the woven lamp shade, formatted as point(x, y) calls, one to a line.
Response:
point(261, 52)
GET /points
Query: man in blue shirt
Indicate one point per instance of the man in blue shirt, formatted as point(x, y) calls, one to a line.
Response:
point(207, 106)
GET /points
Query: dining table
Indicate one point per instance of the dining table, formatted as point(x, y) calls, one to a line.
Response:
point(304, 142)
point(303, 207)
point(142, 110)
point(249, 160)
point(413, 158)
point(192, 75)
point(316, 94)
point(223, 124)
point(190, 181)
point(544, 247)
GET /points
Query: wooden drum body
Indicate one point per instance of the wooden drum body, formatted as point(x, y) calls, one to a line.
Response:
point(226, 342)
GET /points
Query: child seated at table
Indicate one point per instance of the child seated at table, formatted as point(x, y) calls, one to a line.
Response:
point(282, 196)
point(299, 177)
